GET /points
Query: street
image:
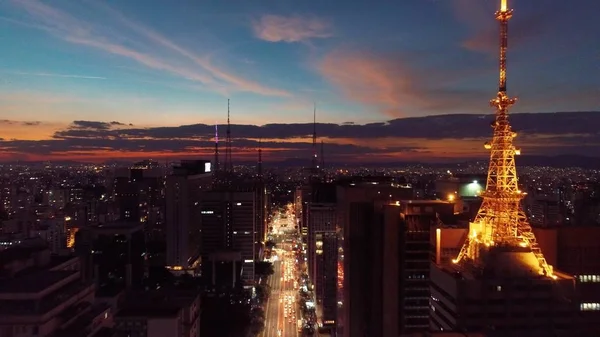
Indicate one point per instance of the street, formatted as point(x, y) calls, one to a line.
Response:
point(281, 310)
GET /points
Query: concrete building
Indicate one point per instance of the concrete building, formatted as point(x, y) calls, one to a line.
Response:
point(42, 294)
point(113, 254)
point(53, 231)
point(159, 314)
point(575, 250)
point(572, 249)
point(360, 235)
point(322, 251)
point(229, 225)
point(545, 212)
point(507, 297)
point(407, 255)
point(183, 213)
point(138, 192)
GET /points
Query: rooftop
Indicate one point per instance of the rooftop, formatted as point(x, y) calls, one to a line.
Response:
point(422, 202)
point(34, 282)
point(502, 262)
point(149, 311)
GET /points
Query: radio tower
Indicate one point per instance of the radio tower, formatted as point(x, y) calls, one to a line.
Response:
point(315, 165)
point(259, 167)
point(228, 163)
point(216, 168)
point(501, 220)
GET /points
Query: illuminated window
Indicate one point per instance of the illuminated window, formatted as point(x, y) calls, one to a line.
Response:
point(589, 306)
point(588, 278)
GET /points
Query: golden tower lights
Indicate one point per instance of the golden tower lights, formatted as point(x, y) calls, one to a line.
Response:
point(501, 220)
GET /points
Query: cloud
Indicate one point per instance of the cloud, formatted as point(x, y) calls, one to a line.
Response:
point(56, 75)
point(423, 138)
point(385, 82)
point(24, 123)
point(71, 29)
point(94, 125)
point(275, 28)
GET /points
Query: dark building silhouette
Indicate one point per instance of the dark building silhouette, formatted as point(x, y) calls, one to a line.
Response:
point(113, 254)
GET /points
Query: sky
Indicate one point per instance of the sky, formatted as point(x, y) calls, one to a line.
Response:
point(94, 80)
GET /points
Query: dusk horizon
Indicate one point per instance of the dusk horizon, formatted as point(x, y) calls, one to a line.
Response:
point(439, 138)
point(103, 79)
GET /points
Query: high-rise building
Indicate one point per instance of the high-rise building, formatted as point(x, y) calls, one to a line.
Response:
point(322, 251)
point(183, 213)
point(159, 314)
point(138, 192)
point(545, 212)
point(359, 217)
point(229, 225)
point(41, 294)
point(113, 254)
point(407, 255)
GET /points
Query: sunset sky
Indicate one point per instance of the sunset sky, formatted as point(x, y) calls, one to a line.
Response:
point(96, 80)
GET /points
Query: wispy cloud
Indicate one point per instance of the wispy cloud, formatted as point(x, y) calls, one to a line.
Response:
point(275, 28)
point(238, 82)
point(388, 84)
point(55, 75)
point(71, 29)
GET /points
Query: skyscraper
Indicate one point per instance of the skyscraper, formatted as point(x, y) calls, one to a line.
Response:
point(183, 196)
point(228, 223)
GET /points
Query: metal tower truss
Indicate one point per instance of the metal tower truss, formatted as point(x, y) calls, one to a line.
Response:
point(501, 220)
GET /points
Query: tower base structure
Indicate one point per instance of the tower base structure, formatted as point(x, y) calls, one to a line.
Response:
point(506, 297)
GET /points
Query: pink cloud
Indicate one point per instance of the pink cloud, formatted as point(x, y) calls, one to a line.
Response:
point(385, 83)
point(274, 28)
point(371, 80)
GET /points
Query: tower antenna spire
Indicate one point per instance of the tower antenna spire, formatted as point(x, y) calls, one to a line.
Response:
point(228, 162)
point(259, 168)
point(314, 139)
point(216, 160)
point(501, 220)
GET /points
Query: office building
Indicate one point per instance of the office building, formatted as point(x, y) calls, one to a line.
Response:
point(138, 193)
point(359, 207)
point(41, 294)
point(159, 314)
point(228, 223)
point(183, 213)
point(113, 254)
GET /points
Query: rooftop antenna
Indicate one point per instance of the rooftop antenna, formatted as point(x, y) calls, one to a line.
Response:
point(228, 163)
point(260, 168)
point(501, 220)
point(216, 165)
point(314, 140)
point(322, 164)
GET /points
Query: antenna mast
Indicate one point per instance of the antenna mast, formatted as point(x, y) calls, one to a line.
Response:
point(259, 167)
point(501, 220)
point(314, 140)
point(216, 165)
point(322, 165)
point(228, 163)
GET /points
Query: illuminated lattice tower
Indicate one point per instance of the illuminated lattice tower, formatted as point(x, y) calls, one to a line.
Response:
point(501, 220)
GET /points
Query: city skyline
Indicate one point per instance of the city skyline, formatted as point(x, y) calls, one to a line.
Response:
point(106, 86)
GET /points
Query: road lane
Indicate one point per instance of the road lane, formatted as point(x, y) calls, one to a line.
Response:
point(283, 293)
